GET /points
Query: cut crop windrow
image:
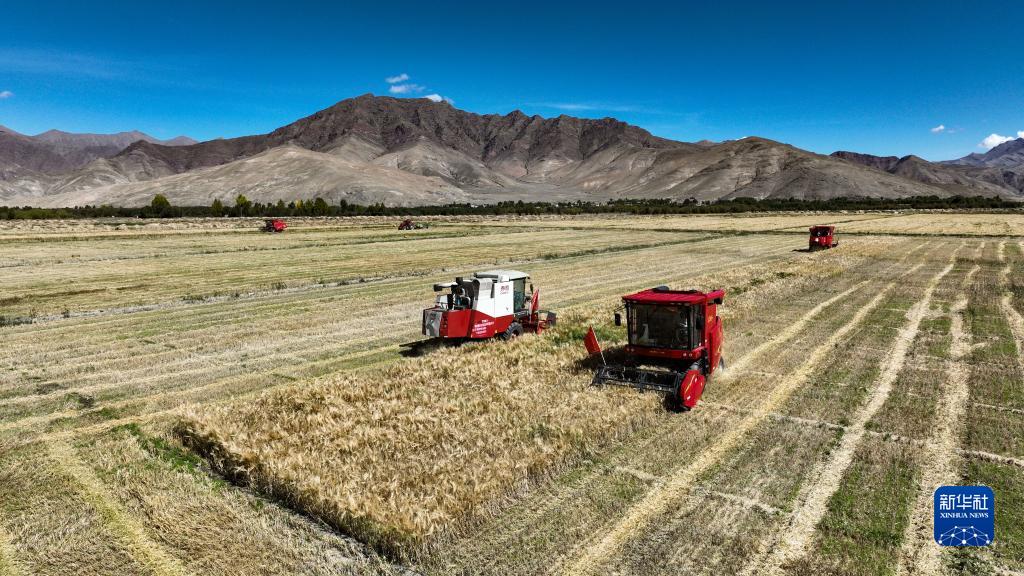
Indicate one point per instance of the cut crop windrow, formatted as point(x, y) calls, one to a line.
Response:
point(148, 552)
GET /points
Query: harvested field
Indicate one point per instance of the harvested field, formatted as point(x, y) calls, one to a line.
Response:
point(943, 224)
point(192, 397)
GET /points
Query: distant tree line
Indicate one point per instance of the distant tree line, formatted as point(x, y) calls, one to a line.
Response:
point(160, 207)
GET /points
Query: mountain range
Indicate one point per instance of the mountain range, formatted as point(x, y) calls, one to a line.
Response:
point(414, 151)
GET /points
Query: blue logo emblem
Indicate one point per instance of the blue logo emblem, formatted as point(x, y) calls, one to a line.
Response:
point(964, 515)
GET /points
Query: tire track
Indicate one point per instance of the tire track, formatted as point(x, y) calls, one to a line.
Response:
point(659, 500)
point(812, 502)
point(147, 552)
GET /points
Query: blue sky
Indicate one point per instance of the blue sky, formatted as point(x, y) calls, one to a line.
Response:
point(872, 77)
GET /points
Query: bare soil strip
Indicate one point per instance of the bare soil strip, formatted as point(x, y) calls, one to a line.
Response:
point(659, 499)
point(825, 480)
point(143, 548)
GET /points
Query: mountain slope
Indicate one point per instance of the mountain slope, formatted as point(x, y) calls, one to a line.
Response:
point(408, 151)
point(80, 149)
point(955, 179)
point(1006, 155)
point(35, 166)
point(285, 173)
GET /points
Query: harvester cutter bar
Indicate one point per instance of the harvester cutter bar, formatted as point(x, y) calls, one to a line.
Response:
point(657, 380)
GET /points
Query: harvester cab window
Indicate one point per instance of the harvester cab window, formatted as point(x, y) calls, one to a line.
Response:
point(820, 232)
point(462, 296)
point(659, 326)
point(519, 295)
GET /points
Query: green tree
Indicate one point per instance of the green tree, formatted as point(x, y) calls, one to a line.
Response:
point(160, 203)
point(242, 205)
point(217, 208)
point(320, 207)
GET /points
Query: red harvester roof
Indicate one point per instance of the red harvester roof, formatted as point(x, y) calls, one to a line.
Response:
point(672, 296)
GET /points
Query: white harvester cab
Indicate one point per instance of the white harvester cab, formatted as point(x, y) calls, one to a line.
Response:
point(489, 303)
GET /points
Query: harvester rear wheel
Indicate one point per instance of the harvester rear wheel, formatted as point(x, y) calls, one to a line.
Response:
point(513, 331)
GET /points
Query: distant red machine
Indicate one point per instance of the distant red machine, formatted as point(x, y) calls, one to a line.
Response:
point(274, 225)
point(674, 343)
point(822, 238)
point(408, 224)
point(491, 303)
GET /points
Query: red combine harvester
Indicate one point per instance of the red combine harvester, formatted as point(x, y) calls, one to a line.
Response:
point(674, 343)
point(488, 304)
point(408, 224)
point(274, 225)
point(822, 238)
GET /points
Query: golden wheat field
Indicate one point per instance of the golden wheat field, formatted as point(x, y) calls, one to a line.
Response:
point(193, 397)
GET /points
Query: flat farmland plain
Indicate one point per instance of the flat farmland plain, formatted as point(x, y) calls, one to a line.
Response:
point(858, 380)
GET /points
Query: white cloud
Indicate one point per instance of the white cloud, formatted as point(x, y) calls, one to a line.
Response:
point(400, 85)
point(1020, 134)
point(939, 128)
point(6, 94)
point(589, 107)
point(993, 140)
point(405, 88)
point(439, 98)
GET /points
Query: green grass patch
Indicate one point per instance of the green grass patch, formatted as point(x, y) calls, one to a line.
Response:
point(174, 456)
point(863, 527)
point(1007, 482)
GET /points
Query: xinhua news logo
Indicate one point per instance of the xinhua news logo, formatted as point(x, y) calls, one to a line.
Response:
point(965, 516)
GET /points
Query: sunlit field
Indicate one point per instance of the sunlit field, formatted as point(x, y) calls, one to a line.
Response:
point(197, 397)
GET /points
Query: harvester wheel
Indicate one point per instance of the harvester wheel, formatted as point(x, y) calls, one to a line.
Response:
point(513, 331)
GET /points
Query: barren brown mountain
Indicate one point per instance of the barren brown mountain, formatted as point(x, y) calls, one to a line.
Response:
point(1000, 171)
point(405, 151)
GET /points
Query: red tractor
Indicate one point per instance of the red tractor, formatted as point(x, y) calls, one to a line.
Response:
point(822, 238)
point(488, 304)
point(274, 225)
point(674, 344)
